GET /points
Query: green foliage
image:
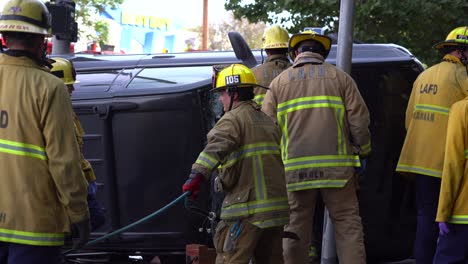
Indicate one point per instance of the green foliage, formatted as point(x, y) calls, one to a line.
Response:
point(217, 33)
point(102, 29)
point(414, 24)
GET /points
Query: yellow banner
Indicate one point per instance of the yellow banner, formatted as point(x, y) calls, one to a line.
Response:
point(145, 21)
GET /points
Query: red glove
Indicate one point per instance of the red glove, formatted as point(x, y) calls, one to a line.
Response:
point(193, 185)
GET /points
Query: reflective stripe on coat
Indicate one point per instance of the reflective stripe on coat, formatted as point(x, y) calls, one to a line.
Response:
point(324, 123)
point(42, 187)
point(453, 198)
point(246, 144)
point(434, 92)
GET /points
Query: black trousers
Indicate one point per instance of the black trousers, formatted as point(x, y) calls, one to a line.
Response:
point(11, 253)
point(452, 248)
point(427, 229)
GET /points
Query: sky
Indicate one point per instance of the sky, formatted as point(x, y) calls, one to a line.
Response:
point(190, 10)
point(184, 13)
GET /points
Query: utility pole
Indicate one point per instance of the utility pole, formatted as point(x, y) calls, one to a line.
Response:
point(345, 36)
point(205, 26)
point(343, 61)
point(60, 46)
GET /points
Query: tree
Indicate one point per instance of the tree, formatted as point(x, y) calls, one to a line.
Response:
point(101, 28)
point(414, 24)
point(217, 33)
point(86, 14)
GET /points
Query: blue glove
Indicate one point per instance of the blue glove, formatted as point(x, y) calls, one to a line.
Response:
point(360, 170)
point(443, 228)
point(92, 188)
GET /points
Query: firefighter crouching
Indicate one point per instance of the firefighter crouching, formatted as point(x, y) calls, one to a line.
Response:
point(245, 142)
point(275, 44)
point(422, 155)
point(64, 69)
point(42, 186)
point(324, 123)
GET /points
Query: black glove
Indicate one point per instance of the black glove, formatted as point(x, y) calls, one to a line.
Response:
point(81, 229)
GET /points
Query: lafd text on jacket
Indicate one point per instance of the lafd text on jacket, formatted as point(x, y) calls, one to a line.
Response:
point(428, 88)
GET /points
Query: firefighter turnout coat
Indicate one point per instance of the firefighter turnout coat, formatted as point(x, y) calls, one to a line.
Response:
point(453, 199)
point(42, 186)
point(324, 123)
point(434, 92)
point(245, 142)
point(266, 72)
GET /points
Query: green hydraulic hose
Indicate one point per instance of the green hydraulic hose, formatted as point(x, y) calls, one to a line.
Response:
point(144, 219)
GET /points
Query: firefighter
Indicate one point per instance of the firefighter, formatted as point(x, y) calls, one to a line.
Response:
point(275, 44)
point(64, 69)
point(42, 187)
point(324, 123)
point(422, 155)
point(245, 142)
point(453, 201)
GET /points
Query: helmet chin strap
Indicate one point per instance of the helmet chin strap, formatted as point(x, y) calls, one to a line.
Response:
point(261, 53)
point(43, 55)
point(231, 92)
point(463, 58)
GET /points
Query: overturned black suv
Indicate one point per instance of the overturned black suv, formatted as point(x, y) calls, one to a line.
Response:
point(146, 118)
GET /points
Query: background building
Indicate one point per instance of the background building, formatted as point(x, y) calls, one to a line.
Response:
point(141, 26)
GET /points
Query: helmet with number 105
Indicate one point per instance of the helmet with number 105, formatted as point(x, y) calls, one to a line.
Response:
point(26, 16)
point(235, 76)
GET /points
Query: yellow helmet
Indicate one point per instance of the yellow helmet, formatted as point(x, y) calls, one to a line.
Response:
point(63, 69)
point(458, 36)
point(28, 16)
point(308, 35)
point(275, 37)
point(235, 76)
